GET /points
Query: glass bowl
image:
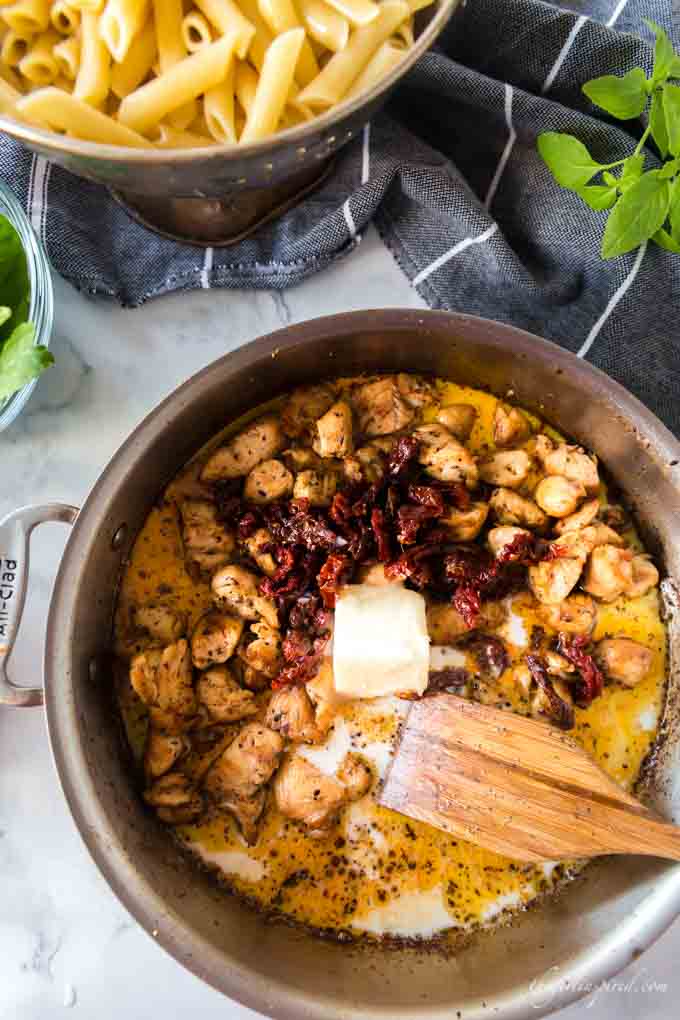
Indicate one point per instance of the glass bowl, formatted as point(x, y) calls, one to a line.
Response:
point(41, 307)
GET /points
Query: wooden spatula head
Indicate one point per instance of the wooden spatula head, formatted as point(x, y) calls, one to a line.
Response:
point(514, 785)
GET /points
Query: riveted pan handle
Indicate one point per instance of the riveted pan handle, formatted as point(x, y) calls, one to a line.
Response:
point(15, 535)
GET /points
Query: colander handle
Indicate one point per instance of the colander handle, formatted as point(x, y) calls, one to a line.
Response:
point(15, 536)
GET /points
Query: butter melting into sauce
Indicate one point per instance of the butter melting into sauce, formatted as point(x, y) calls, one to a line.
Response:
point(379, 873)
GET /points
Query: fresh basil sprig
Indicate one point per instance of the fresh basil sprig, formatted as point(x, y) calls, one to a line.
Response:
point(644, 203)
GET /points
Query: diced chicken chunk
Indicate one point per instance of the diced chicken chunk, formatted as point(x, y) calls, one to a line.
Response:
point(645, 576)
point(366, 464)
point(584, 516)
point(305, 794)
point(446, 626)
point(206, 541)
point(502, 536)
point(609, 572)
point(558, 496)
point(319, 488)
point(444, 457)
point(248, 763)
point(571, 462)
point(261, 440)
point(465, 525)
point(625, 660)
point(304, 407)
point(257, 545)
point(381, 407)
point(267, 482)
point(264, 653)
point(162, 751)
point(509, 468)
point(237, 589)
point(247, 811)
point(291, 713)
point(511, 508)
point(416, 391)
point(510, 427)
point(175, 799)
point(160, 623)
point(302, 458)
point(164, 682)
point(334, 431)
point(576, 615)
point(355, 775)
point(215, 638)
point(459, 419)
point(224, 700)
point(551, 581)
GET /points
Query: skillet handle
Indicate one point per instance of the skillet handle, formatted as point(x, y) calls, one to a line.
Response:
point(15, 534)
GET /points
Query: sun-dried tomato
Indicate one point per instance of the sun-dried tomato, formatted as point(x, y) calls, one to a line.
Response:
point(409, 520)
point(467, 601)
point(404, 451)
point(296, 644)
point(523, 549)
point(591, 684)
point(453, 492)
point(413, 565)
point(427, 496)
point(332, 576)
point(561, 712)
point(381, 535)
point(453, 677)
point(491, 655)
point(295, 523)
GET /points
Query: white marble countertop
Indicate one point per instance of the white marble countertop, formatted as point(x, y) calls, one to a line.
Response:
point(67, 947)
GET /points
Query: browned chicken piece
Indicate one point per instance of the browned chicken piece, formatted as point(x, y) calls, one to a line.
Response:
point(556, 665)
point(459, 419)
point(175, 799)
point(367, 464)
point(551, 581)
point(264, 653)
point(250, 761)
point(571, 462)
point(373, 573)
point(576, 615)
point(558, 496)
point(224, 700)
point(215, 638)
point(267, 482)
point(206, 541)
point(465, 525)
point(253, 680)
point(446, 626)
point(162, 624)
point(624, 660)
point(645, 576)
point(257, 545)
point(187, 485)
point(355, 775)
point(319, 488)
point(444, 457)
point(291, 713)
point(609, 572)
point(584, 516)
point(505, 534)
point(261, 440)
point(511, 508)
point(237, 589)
point(416, 391)
point(302, 458)
point(380, 407)
point(509, 468)
point(304, 407)
point(164, 682)
point(333, 436)
point(305, 794)
point(510, 426)
point(162, 751)
point(247, 811)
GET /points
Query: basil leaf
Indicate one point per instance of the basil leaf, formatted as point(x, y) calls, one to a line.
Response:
point(15, 286)
point(21, 360)
point(671, 109)
point(598, 197)
point(637, 215)
point(669, 169)
point(633, 167)
point(5, 314)
point(624, 98)
point(664, 54)
point(657, 122)
point(664, 240)
point(674, 71)
point(674, 213)
point(571, 164)
point(609, 179)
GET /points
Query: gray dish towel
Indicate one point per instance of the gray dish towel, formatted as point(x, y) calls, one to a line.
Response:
point(451, 178)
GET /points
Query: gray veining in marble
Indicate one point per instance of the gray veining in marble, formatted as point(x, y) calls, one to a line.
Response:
point(67, 947)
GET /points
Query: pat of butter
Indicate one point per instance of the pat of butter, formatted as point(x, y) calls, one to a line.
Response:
point(380, 641)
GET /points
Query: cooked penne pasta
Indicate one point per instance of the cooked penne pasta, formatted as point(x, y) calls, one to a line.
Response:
point(226, 17)
point(67, 113)
point(357, 12)
point(119, 23)
point(168, 16)
point(65, 18)
point(405, 32)
point(281, 16)
point(218, 110)
point(129, 75)
point(186, 80)
point(12, 78)
point(344, 68)
point(39, 65)
point(8, 99)
point(245, 86)
point(324, 24)
point(417, 5)
point(94, 75)
point(67, 56)
point(384, 60)
point(28, 17)
point(14, 48)
point(171, 138)
point(262, 38)
point(273, 86)
point(95, 6)
point(196, 31)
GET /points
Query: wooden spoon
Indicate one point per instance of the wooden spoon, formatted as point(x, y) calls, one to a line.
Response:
point(516, 786)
